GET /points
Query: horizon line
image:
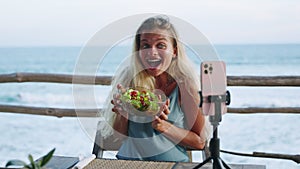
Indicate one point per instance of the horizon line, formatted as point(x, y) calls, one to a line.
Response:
point(216, 44)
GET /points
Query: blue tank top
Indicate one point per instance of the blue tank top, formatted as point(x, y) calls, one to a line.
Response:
point(145, 143)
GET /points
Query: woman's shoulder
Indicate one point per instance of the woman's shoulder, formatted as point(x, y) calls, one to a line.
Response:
point(187, 83)
point(188, 89)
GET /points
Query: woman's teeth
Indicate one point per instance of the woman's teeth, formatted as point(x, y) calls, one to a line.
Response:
point(154, 62)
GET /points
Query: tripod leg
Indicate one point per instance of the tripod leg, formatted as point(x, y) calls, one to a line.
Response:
point(224, 164)
point(218, 163)
point(204, 162)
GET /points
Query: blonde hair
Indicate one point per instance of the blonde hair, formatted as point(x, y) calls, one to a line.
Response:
point(133, 74)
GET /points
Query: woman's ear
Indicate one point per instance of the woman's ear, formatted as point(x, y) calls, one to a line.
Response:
point(175, 53)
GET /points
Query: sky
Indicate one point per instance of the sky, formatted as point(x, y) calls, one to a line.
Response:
point(74, 22)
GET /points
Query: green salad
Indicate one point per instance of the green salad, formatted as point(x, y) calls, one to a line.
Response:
point(142, 100)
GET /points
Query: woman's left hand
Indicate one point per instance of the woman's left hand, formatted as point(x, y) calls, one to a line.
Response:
point(160, 122)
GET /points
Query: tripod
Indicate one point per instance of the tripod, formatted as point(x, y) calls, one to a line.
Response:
point(214, 144)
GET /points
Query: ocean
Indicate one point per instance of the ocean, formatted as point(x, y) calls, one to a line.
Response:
point(273, 133)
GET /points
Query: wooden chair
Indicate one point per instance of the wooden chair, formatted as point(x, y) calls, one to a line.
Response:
point(113, 143)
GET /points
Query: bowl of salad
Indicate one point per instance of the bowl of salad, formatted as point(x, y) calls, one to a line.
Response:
point(142, 102)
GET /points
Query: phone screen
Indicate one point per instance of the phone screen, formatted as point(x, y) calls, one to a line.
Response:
point(213, 82)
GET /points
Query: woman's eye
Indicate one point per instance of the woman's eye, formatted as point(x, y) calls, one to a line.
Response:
point(145, 46)
point(161, 46)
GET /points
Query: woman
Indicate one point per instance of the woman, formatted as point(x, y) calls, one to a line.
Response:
point(159, 62)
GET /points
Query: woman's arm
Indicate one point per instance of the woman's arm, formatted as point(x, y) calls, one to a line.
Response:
point(121, 124)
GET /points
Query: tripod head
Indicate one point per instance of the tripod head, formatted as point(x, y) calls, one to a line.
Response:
point(217, 101)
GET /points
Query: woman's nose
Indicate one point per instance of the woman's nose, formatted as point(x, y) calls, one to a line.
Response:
point(153, 51)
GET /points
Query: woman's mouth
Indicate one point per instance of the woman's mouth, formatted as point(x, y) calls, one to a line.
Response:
point(154, 63)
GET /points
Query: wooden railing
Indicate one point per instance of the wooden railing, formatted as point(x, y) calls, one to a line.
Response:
point(258, 81)
point(269, 81)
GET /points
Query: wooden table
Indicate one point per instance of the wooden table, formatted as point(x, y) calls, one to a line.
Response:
point(113, 164)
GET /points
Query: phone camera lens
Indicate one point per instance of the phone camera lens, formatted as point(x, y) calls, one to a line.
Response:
point(205, 72)
point(210, 68)
point(205, 66)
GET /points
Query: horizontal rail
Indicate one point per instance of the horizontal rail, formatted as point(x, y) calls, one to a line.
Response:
point(106, 80)
point(62, 112)
point(252, 110)
point(295, 157)
point(54, 78)
point(263, 80)
point(57, 112)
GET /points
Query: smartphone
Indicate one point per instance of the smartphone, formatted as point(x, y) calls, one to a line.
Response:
point(213, 82)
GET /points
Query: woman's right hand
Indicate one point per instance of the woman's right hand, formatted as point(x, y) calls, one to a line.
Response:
point(121, 120)
point(118, 109)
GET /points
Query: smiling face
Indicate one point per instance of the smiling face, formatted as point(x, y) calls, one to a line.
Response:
point(156, 51)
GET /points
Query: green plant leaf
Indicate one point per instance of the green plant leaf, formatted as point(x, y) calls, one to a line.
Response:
point(38, 167)
point(45, 159)
point(15, 163)
point(39, 163)
point(32, 163)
